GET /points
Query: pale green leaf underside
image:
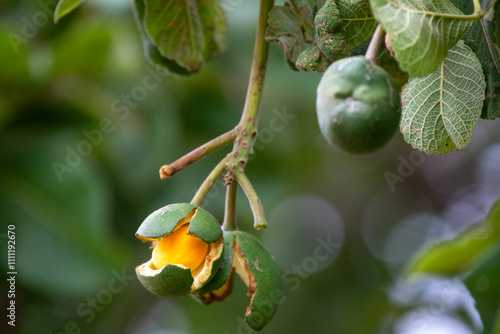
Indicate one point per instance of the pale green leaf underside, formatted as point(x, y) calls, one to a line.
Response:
point(65, 7)
point(441, 110)
point(357, 20)
point(421, 32)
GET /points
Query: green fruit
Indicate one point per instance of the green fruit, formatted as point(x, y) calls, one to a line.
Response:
point(189, 257)
point(246, 256)
point(358, 105)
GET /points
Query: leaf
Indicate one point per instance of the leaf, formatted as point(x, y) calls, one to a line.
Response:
point(294, 31)
point(186, 32)
point(313, 59)
point(481, 38)
point(388, 63)
point(151, 53)
point(441, 110)
point(461, 253)
point(330, 34)
point(214, 27)
point(314, 44)
point(65, 7)
point(421, 32)
point(357, 21)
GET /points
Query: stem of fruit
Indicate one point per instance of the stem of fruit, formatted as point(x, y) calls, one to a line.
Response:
point(246, 131)
point(209, 182)
point(229, 223)
point(260, 222)
point(167, 171)
point(375, 43)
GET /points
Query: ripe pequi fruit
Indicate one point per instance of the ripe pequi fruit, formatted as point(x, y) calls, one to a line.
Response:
point(187, 246)
point(358, 105)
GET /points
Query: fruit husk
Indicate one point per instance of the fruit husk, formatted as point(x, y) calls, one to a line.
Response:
point(166, 220)
point(220, 286)
point(257, 268)
point(170, 281)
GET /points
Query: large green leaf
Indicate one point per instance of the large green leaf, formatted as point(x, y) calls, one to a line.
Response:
point(65, 7)
point(357, 20)
point(441, 110)
point(421, 32)
point(188, 32)
point(463, 252)
point(481, 38)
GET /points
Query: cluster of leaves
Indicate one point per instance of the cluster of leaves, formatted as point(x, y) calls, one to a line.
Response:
point(313, 42)
point(452, 58)
point(448, 49)
point(452, 82)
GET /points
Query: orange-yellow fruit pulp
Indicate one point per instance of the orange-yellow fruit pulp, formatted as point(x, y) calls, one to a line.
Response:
point(180, 248)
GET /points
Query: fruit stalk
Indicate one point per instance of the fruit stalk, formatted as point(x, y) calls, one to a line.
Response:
point(209, 182)
point(375, 43)
point(229, 223)
point(247, 127)
point(260, 222)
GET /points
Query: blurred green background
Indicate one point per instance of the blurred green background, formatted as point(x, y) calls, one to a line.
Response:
point(79, 173)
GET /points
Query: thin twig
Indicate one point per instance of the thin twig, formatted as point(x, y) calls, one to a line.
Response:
point(167, 171)
point(209, 182)
point(260, 222)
